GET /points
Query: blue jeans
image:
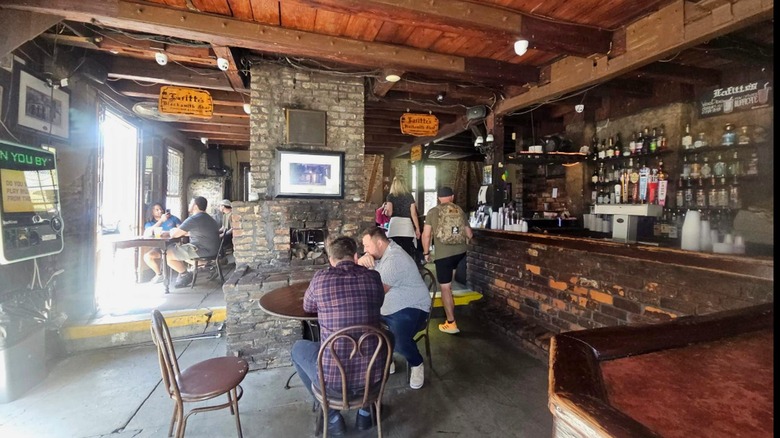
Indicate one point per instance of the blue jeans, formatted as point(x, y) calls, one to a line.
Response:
point(404, 324)
point(304, 358)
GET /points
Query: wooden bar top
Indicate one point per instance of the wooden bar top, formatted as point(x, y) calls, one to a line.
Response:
point(754, 267)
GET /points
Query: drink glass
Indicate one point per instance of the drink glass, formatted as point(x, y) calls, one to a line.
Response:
point(157, 232)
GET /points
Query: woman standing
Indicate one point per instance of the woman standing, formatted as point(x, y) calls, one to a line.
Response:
point(404, 227)
point(156, 218)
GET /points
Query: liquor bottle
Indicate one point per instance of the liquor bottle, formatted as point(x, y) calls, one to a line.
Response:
point(652, 187)
point(662, 184)
point(632, 144)
point(701, 194)
point(735, 200)
point(618, 192)
point(603, 149)
point(695, 167)
point(600, 198)
point(679, 195)
point(618, 147)
point(646, 140)
point(729, 137)
point(735, 166)
point(719, 169)
point(594, 148)
point(674, 227)
point(644, 180)
point(654, 141)
point(687, 139)
point(610, 151)
point(662, 140)
point(686, 167)
point(701, 141)
point(705, 170)
point(690, 200)
point(624, 148)
point(712, 194)
point(595, 177)
point(744, 136)
point(723, 194)
point(752, 167)
point(601, 173)
point(634, 180)
point(640, 143)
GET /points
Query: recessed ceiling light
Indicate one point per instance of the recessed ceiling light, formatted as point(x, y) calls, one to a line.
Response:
point(392, 78)
point(161, 58)
point(521, 46)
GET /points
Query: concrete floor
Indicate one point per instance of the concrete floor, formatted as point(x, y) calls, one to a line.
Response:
point(482, 386)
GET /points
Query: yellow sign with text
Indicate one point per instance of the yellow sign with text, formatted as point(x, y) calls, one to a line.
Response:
point(420, 125)
point(186, 102)
point(415, 154)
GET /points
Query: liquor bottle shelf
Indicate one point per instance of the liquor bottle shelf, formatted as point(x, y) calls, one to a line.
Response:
point(635, 156)
point(546, 158)
point(721, 148)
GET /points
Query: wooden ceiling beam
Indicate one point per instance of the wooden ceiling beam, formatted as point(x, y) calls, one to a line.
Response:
point(234, 76)
point(381, 86)
point(152, 91)
point(684, 74)
point(410, 106)
point(479, 21)
point(479, 95)
point(739, 50)
point(212, 129)
point(224, 31)
point(449, 130)
point(170, 74)
point(647, 42)
point(221, 121)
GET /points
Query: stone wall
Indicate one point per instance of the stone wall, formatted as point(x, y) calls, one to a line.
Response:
point(210, 187)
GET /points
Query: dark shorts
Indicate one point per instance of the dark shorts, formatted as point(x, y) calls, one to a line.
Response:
point(446, 266)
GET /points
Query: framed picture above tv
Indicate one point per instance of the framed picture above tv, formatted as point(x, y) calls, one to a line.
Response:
point(310, 174)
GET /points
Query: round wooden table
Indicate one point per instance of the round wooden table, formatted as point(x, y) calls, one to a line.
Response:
point(287, 302)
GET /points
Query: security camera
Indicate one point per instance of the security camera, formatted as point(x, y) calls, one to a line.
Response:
point(223, 64)
point(440, 97)
point(161, 58)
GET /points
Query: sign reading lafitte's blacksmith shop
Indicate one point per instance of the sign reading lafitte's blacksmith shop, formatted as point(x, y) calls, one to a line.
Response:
point(420, 125)
point(185, 101)
point(747, 96)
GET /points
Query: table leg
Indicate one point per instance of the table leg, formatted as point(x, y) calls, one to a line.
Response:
point(164, 269)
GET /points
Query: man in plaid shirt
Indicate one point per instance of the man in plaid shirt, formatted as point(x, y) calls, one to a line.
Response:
point(342, 295)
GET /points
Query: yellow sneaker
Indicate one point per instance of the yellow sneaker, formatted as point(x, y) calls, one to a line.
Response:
point(448, 327)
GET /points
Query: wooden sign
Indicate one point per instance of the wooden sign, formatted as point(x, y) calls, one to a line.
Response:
point(420, 125)
point(415, 154)
point(747, 96)
point(186, 102)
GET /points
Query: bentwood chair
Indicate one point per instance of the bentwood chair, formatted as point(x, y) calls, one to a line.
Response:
point(202, 381)
point(433, 286)
point(354, 343)
point(210, 259)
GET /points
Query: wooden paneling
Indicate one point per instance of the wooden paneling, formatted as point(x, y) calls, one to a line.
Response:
point(220, 7)
point(242, 9)
point(266, 11)
point(297, 16)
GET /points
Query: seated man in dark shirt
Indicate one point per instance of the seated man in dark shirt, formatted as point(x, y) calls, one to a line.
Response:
point(203, 232)
point(343, 295)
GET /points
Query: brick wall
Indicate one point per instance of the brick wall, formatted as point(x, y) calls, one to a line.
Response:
point(560, 289)
point(210, 187)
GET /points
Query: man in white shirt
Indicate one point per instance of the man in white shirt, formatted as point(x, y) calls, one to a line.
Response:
point(407, 299)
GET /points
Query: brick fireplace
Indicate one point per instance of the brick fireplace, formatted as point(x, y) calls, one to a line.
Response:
point(269, 234)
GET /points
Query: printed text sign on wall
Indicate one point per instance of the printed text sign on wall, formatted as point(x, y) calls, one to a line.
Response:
point(185, 101)
point(751, 95)
point(420, 125)
point(415, 154)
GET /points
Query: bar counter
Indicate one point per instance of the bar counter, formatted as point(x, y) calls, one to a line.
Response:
point(572, 283)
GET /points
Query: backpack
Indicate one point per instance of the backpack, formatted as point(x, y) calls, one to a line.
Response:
point(451, 225)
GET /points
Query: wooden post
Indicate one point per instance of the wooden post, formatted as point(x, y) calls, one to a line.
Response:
point(495, 125)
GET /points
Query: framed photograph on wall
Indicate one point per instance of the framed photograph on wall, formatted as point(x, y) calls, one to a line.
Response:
point(41, 107)
point(310, 174)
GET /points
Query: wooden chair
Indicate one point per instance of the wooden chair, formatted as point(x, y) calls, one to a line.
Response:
point(433, 286)
point(202, 381)
point(370, 395)
point(210, 259)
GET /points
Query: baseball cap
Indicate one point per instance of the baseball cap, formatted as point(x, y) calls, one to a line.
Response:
point(443, 192)
point(226, 203)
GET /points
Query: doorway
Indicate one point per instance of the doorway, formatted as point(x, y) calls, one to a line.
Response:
point(118, 210)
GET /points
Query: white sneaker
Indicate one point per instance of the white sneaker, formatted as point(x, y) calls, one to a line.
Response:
point(418, 377)
point(392, 366)
point(156, 279)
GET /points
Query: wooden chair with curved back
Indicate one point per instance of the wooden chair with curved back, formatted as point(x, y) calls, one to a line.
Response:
point(433, 286)
point(371, 394)
point(210, 260)
point(202, 381)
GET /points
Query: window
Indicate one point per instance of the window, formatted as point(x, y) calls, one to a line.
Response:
point(174, 186)
point(429, 187)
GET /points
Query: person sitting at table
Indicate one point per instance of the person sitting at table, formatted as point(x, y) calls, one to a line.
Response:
point(203, 232)
point(343, 295)
point(226, 208)
point(163, 220)
point(407, 299)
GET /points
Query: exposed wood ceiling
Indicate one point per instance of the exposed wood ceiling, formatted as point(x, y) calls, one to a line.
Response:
point(451, 54)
